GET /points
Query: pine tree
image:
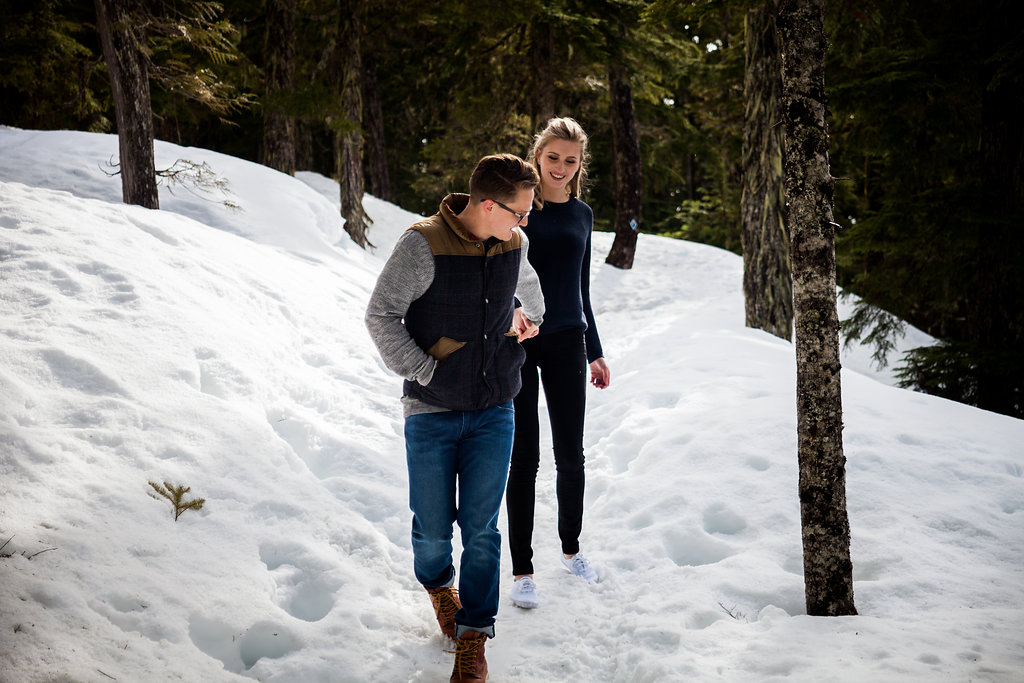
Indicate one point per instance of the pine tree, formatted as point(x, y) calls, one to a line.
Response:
point(124, 45)
point(176, 496)
point(927, 100)
point(696, 182)
point(618, 21)
point(50, 63)
point(349, 140)
point(144, 40)
point(828, 569)
point(626, 151)
point(376, 143)
point(767, 284)
point(279, 56)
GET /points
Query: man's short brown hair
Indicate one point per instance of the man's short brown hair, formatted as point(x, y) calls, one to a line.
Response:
point(501, 177)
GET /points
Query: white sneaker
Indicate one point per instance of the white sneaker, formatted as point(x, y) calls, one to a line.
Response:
point(524, 593)
point(580, 566)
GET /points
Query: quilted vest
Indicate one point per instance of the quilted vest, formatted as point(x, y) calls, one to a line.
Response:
point(463, 318)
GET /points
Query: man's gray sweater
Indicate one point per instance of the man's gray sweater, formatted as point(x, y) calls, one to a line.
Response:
point(406, 277)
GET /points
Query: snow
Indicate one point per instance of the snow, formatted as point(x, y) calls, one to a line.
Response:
point(224, 349)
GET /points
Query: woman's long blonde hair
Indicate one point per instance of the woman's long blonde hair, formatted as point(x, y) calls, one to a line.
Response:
point(568, 129)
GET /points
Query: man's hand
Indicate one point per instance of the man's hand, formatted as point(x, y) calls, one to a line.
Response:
point(523, 326)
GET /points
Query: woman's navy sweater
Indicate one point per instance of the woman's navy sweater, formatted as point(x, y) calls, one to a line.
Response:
point(560, 253)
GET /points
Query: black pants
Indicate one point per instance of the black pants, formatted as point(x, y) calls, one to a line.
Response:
point(561, 359)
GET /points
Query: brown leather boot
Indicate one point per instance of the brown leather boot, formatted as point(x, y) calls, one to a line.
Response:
point(446, 604)
point(470, 664)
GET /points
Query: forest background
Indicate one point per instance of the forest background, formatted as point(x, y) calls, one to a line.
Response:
point(926, 104)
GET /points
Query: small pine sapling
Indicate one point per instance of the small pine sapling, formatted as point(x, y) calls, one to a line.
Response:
point(176, 494)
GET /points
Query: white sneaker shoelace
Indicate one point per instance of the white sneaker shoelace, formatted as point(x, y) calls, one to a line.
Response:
point(524, 593)
point(581, 567)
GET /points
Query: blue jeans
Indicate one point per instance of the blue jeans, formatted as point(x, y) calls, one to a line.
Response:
point(458, 464)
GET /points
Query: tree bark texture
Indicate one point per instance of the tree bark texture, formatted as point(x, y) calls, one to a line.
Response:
point(278, 126)
point(349, 148)
point(828, 569)
point(129, 82)
point(377, 155)
point(626, 168)
point(767, 283)
point(542, 99)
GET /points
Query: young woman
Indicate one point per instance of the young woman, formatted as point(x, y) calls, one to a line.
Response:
point(559, 233)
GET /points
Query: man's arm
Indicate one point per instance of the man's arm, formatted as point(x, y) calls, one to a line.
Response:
point(405, 277)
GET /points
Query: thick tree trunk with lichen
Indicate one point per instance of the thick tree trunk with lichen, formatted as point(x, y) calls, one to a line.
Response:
point(626, 167)
point(278, 125)
point(123, 42)
point(828, 569)
point(767, 283)
point(349, 143)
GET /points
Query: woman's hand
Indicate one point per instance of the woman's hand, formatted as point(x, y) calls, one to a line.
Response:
point(600, 375)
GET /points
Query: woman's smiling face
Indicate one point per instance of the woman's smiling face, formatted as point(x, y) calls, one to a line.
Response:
point(559, 162)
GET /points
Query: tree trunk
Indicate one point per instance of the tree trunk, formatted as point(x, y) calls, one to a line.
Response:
point(542, 98)
point(626, 168)
point(278, 125)
point(377, 156)
point(305, 160)
point(767, 283)
point(129, 82)
point(349, 147)
point(828, 570)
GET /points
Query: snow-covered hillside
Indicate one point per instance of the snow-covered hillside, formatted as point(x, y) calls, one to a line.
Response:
point(224, 349)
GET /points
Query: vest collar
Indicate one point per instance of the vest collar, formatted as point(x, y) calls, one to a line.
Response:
point(451, 207)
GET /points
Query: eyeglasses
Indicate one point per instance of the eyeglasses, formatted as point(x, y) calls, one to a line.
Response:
point(521, 216)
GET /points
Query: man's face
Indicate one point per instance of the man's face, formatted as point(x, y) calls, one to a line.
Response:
point(504, 216)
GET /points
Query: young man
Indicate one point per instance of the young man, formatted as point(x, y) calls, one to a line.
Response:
point(443, 316)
